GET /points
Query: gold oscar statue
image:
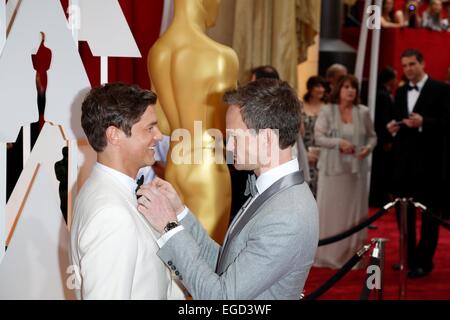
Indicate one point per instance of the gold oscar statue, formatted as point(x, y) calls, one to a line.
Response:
point(190, 73)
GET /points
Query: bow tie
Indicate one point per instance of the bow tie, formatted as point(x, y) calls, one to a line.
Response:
point(139, 182)
point(251, 189)
point(413, 88)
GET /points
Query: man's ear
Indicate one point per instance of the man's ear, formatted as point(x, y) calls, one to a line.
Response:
point(113, 135)
point(270, 136)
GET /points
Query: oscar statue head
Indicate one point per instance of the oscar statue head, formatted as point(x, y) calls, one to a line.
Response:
point(211, 8)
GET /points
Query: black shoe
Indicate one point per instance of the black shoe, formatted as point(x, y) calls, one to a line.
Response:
point(419, 272)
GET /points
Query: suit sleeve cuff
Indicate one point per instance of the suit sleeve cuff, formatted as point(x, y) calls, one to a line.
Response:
point(183, 214)
point(166, 236)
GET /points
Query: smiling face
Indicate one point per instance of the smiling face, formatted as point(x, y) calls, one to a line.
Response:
point(137, 150)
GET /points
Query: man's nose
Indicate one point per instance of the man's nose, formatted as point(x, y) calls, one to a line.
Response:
point(159, 135)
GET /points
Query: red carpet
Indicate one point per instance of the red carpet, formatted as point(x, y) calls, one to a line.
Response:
point(435, 286)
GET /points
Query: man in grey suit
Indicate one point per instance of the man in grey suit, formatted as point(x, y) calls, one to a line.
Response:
point(270, 245)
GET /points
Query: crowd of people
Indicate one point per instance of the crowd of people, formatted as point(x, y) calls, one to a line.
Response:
point(339, 135)
point(410, 159)
point(407, 14)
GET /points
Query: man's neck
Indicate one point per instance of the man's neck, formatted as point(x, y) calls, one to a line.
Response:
point(416, 81)
point(284, 157)
point(117, 164)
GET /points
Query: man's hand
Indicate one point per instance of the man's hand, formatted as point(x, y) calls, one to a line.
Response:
point(156, 208)
point(415, 120)
point(393, 127)
point(346, 147)
point(364, 152)
point(169, 192)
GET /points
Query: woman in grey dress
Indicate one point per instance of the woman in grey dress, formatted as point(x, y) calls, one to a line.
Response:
point(346, 135)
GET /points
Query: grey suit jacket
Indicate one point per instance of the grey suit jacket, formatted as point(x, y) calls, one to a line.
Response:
point(269, 259)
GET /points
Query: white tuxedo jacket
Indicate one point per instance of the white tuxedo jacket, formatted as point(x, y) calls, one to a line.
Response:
point(113, 247)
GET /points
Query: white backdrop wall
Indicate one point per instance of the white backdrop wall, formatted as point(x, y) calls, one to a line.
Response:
point(35, 264)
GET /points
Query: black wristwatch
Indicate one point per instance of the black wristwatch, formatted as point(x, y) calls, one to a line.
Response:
point(171, 225)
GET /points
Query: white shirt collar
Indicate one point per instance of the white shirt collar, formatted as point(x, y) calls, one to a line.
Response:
point(122, 178)
point(265, 180)
point(421, 83)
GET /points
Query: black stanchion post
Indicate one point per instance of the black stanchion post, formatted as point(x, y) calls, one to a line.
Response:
point(403, 247)
point(379, 253)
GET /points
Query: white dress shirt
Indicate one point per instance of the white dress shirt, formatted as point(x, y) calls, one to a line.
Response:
point(125, 180)
point(413, 95)
point(264, 182)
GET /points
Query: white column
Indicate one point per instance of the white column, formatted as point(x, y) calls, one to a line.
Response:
point(103, 70)
point(362, 46)
point(72, 145)
point(374, 57)
point(2, 24)
point(2, 145)
point(2, 199)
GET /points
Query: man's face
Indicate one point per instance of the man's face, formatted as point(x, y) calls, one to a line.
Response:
point(241, 141)
point(138, 149)
point(413, 69)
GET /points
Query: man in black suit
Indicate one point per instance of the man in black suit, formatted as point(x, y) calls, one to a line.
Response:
point(419, 144)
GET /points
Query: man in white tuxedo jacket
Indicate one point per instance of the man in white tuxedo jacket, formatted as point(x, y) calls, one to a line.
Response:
point(113, 248)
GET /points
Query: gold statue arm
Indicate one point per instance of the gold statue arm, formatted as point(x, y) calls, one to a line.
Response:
point(163, 123)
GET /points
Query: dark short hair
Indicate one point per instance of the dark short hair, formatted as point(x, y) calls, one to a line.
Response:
point(386, 75)
point(267, 72)
point(311, 84)
point(336, 94)
point(269, 104)
point(332, 70)
point(413, 53)
point(116, 104)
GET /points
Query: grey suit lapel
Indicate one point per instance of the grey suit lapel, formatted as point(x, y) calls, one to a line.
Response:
point(284, 183)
